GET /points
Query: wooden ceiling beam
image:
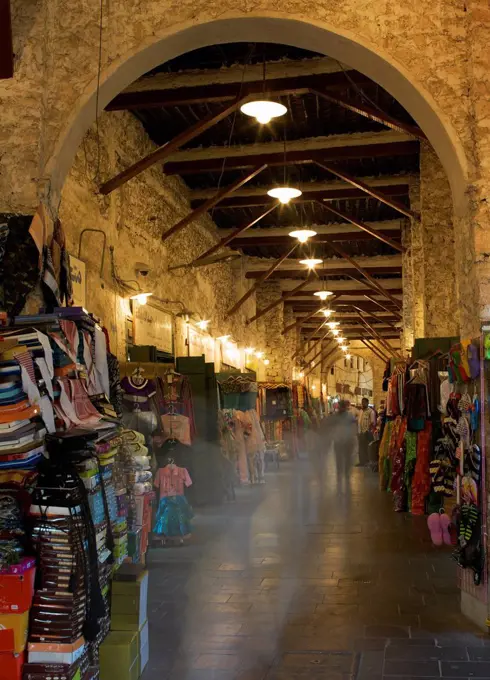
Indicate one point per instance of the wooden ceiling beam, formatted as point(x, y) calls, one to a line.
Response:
point(210, 203)
point(211, 93)
point(337, 271)
point(307, 197)
point(374, 350)
point(263, 276)
point(346, 291)
point(365, 227)
point(383, 196)
point(237, 232)
point(248, 158)
point(311, 187)
point(364, 272)
point(168, 148)
point(262, 312)
point(373, 114)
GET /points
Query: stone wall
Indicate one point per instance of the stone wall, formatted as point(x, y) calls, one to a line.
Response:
point(133, 219)
point(278, 348)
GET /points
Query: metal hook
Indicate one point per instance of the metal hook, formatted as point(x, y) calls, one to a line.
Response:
point(96, 231)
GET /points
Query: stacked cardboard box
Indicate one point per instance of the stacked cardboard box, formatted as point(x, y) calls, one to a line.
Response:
point(16, 591)
point(129, 625)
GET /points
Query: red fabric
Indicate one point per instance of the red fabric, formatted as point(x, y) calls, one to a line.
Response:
point(421, 476)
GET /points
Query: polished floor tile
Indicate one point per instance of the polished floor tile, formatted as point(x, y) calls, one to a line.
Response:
point(299, 579)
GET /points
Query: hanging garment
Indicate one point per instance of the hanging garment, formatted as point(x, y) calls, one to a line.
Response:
point(421, 478)
point(177, 427)
point(172, 480)
point(137, 395)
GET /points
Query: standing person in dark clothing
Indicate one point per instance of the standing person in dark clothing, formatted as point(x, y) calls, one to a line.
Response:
point(366, 425)
point(338, 429)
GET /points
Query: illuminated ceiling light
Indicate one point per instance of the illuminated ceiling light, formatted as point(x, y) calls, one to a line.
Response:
point(323, 294)
point(303, 235)
point(344, 348)
point(203, 324)
point(263, 110)
point(333, 324)
point(266, 362)
point(348, 356)
point(340, 340)
point(141, 298)
point(311, 262)
point(284, 194)
point(259, 355)
point(335, 331)
point(249, 350)
point(301, 374)
point(326, 313)
point(223, 338)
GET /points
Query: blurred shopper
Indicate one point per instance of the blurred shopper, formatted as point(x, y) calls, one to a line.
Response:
point(366, 421)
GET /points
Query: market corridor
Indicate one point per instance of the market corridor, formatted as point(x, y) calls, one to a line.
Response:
point(294, 581)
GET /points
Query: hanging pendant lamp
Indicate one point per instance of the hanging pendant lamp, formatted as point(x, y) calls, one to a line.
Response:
point(285, 192)
point(311, 262)
point(263, 110)
point(323, 294)
point(302, 234)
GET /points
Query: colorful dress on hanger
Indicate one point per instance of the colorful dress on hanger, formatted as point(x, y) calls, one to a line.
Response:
point(174, 514)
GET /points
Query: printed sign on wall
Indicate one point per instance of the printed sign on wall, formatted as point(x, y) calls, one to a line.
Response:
point(79, 281)
point(152, 326)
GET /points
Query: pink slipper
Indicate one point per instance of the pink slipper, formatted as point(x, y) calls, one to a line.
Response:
point(445, 524)
point(435, 528)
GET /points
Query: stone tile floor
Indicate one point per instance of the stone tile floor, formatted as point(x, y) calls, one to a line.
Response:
point(300, 580)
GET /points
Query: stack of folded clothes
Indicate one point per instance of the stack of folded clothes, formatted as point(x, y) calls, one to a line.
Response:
point(21, 428)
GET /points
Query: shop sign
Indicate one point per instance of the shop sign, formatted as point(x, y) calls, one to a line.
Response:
point(78, 281)
point(200, 343)
point(152, 326)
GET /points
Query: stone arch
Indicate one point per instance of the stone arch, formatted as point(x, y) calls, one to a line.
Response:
point(298, 31)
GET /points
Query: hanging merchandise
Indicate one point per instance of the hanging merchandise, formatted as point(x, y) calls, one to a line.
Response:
point(174, 514)
point(75, 490)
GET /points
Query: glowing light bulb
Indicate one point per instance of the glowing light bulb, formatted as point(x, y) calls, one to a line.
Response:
point(335, 331)
point(263, 110)
point(203, 324)
point(223, 338)
point(348, 356)
point(266, 362)
point(340, 340)
point(303, 235)
point(311, 262)
point(323, 294)
point(333, 324)
point(249, 350)
point(141, 298)
point(284, 194)
point(259, 355)
point(326, 312)
point(301, 374)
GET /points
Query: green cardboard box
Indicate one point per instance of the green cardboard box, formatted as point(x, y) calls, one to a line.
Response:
point(129, 603)
point(119, 656)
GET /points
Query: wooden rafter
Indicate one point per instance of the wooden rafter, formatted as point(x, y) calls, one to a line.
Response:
point(265, 275)
point(223, 92)
point(168, 148)
point(374, 350)
point(226, 239)
point(378, 337)
point(364, 227)
point(194, 214)
point(307, 339)
point(374, 115)
point(247, 158)
point(275, 303)
point(366, 274)
point(300, 322)
point(315, 344)
point(322, 359)
point(382, 196)
point(339, 194)
point(383, 307)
